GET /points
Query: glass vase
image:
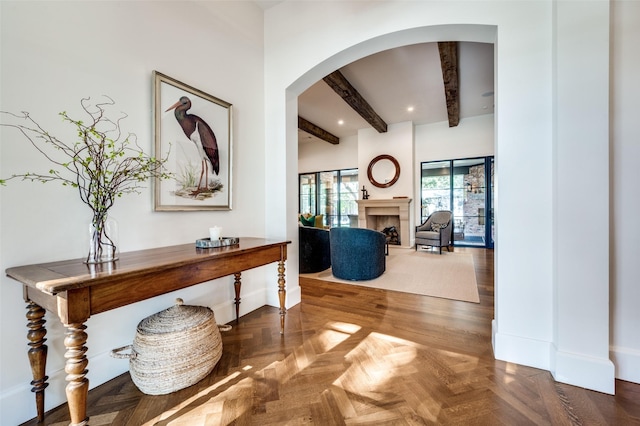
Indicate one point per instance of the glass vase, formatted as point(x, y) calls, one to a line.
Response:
point(103, 239)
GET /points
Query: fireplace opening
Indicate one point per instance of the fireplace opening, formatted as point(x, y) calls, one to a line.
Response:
point(387, 213)
point(392, 235)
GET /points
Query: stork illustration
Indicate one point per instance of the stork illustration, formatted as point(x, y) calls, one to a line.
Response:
point(199, 132)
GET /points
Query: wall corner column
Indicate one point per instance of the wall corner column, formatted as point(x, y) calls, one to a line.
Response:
point(580, 350)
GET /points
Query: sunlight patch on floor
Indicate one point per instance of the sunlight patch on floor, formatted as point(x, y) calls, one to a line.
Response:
point(329, 339)
point(344, 327)
point(202, 394)
point(379, 365)
point(377, 359)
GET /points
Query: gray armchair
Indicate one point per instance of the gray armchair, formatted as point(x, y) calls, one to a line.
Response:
point(436, 231)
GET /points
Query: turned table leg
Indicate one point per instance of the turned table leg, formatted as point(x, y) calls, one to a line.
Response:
point(37, 354)
point(282, 293)
point(76, 369)
point(236, 285)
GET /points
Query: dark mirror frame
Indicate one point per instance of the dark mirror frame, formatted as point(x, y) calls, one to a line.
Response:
point(373, 163)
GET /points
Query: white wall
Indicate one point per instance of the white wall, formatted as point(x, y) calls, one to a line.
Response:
point(526, 283)
point(472, 137)
point(398, 142)
point(625, 197)
point(54, 53)
point(320, 156)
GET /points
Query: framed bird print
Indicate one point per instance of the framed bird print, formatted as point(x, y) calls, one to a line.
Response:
point(195, 129)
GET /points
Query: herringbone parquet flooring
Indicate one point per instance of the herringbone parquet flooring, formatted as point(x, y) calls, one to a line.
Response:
point(354, 355)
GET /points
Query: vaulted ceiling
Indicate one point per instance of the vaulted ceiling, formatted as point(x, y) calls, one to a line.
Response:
point(423, 83)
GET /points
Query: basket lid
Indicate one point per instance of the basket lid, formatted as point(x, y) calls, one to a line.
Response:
point(177, 318)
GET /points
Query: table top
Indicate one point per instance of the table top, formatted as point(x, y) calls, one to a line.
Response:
point(55, 277)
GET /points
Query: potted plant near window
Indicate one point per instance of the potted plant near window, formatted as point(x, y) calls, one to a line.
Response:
point(103, 164)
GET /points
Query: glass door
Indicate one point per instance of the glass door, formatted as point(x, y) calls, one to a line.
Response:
point(307, 196)
point(328, 201)
point(435, 188)
point(491, 184)
point(469, 214)
point(466, 188)
point(348, 205)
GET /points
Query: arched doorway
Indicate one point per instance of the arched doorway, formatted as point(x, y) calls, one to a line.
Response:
point(473, 33)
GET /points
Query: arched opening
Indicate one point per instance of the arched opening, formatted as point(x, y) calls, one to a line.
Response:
point(471, 33)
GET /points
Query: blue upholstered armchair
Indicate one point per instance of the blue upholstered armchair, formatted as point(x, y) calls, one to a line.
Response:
point(357, 254)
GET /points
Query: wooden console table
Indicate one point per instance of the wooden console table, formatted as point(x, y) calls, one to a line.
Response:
point(74, 291)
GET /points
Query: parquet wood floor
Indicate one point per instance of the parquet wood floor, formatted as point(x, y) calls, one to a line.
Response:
point(358, 356)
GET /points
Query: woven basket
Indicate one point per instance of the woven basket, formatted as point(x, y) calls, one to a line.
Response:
point(173, 349)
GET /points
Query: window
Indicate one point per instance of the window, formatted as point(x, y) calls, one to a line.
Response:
point(332, 194)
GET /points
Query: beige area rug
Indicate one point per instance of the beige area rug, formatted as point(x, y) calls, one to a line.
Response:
point(450, 275)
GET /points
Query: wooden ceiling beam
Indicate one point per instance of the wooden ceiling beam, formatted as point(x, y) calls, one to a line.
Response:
point(352, 97)
point(319, 132)
point(449, 63)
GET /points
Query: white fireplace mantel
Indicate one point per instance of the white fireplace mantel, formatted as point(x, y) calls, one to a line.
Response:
point(370, 210)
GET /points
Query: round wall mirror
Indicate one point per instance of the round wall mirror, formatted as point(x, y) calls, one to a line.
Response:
point(383, 171)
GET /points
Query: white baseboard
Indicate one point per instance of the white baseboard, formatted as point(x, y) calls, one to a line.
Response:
point(529, 352)
point(597, 374)
point(627, 362)
point(294, 296)
point(574, 369)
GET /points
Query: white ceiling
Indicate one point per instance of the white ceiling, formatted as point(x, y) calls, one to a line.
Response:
point(395, 79)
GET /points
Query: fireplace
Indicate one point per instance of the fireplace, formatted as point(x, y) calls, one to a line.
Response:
point(381, 214)
point(393, 236)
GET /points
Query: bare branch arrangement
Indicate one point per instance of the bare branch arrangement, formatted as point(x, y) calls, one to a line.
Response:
point(103, 164)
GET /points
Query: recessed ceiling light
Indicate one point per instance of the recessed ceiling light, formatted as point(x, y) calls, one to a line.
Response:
point(341, 122)
point(410, 108)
